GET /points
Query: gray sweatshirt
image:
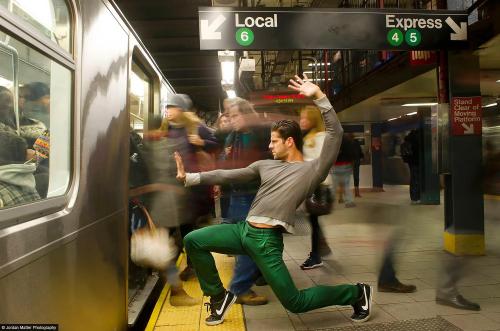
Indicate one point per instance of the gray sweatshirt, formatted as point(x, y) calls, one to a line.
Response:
point(284, 185)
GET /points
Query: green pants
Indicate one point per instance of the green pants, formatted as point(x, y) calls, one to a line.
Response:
point(265, 247)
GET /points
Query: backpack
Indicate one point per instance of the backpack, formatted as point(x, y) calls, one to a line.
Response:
point(406, 151)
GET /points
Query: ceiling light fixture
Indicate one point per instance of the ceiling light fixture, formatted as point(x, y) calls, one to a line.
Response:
point(490, 105)
point(412, 113)
point(318, 64)
point(392, 119)
point(422, 104)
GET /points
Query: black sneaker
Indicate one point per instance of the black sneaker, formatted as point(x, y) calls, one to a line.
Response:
point(219, 309)
point(362, 307)
point(311, 263)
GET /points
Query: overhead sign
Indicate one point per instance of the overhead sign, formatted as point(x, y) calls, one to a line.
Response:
point(330, 28)
point(466, 118)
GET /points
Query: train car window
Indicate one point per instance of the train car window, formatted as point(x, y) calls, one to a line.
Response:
point(164, 92)
point(139, 95)
point(35, 124)
point(50, 17)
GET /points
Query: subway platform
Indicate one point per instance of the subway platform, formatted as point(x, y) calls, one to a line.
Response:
point(357, 237)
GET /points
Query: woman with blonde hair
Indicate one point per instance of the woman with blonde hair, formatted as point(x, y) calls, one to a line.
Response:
point(195, 142)
point(313, 132)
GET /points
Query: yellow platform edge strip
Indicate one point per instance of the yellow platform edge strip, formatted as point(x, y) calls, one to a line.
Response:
point(161, 300)
point(464, 244)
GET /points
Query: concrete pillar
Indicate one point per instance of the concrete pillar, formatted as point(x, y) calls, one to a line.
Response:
point(464, 214)
point(429, 178)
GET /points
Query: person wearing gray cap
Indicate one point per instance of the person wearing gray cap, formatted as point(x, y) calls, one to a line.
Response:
point(193, 140)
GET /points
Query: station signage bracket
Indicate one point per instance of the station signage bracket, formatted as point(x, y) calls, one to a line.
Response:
point(330, 28)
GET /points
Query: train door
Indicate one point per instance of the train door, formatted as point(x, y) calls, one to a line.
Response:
point(142, 95)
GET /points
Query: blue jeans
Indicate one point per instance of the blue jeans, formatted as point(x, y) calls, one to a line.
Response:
point(342, 176)
point(245, 269)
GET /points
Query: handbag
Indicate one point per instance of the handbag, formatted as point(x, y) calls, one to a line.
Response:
point(152, 247)
point(320, 202)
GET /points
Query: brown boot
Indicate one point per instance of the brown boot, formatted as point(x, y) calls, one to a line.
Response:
point(251, 299)
point(356, 192)
point(179, 297)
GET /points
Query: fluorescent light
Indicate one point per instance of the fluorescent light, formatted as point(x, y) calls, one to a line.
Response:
point(392, 119)
point(318, 64)
point(419, 104)
point(317, 79)
point(231, 94)
point(5, 82)
point(412, 113)
point(227, 68)
point(307, 72)
point(498, 81)
point(490, 105)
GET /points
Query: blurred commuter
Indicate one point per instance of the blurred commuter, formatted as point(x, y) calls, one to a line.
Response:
point(491, 178)
point(167, 206)
point(387, 280)
point(452, 269)
point(34, 111)
point(29, 128)
point(357, 157)
point(342, 172)
point(194, 142)
point(286, 182)
point(223, 129)
point(313, 132)
point(17, 182)
point(7, 114)
point(246, 144)
point(410, 154)
point(37, 102)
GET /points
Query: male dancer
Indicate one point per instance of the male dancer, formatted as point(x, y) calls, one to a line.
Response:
point(286, 182)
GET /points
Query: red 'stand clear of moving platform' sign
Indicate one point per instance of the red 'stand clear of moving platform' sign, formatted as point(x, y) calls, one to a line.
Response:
point(466, 116)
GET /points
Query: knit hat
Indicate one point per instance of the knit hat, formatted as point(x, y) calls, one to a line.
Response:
point(182, 101)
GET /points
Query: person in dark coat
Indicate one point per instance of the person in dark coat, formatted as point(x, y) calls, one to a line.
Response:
point(410, 154)
point(357, 157)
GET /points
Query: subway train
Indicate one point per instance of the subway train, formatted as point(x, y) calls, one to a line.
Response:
point(74, 79)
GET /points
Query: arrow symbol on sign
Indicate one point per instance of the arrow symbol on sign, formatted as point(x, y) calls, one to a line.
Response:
point(468, 129)
point(208, 31)
point(460, 31)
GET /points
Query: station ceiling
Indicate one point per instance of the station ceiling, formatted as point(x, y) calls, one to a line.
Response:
point(169, 30)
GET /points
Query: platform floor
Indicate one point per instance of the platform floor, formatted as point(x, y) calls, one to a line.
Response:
point(357, 237)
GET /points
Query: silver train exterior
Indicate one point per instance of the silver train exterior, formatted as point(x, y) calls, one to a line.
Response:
point(64, 260)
